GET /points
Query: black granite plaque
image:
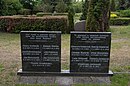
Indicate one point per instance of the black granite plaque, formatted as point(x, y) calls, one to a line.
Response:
point(90, 52)
point(41, 51)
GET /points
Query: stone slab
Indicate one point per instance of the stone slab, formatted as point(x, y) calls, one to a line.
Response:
point(83, 80)
point(46, 80)
point(63, 81)
point(63, 73)
point(41, 51)
point(80, 26)
point(27, 80)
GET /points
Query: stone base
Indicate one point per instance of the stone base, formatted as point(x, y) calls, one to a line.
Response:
point(63, 79)
point(62, 73)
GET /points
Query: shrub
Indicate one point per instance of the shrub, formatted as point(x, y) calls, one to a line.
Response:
point(77, 7)
point(40, 14)
point(84, 10)
point(25, 11)
point(61, 7)
point(125, 13)
point(3, 25)
point(48, 23)
point(119, 21)
point(113, 15)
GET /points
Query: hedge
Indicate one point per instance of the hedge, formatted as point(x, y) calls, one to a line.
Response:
point(125, 13)
point(119, 21)
point(40, 14)
point(48, 23)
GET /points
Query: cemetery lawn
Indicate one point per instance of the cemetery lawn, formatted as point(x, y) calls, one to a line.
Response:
point(10, 58)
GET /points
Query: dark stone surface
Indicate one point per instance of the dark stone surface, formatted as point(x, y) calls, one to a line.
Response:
point(90, 52)
point(80, 26)
point(41, 51)
point(64, 73)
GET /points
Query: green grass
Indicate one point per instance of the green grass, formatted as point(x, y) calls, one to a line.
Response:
point(1, 68)
point(116, 80)
point(33, 85)
point(121, 80)
point(120, 32)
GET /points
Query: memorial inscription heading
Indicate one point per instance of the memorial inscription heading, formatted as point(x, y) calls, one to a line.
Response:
point(41, 51)
point(90, 52)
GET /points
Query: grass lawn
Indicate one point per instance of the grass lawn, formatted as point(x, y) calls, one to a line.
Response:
point(10, 57)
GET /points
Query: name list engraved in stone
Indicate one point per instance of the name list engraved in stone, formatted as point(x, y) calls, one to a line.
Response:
point(90, 52)
point(41, 51)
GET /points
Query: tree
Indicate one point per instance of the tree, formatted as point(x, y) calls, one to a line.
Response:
point(10, 7)
point(128, 4)
point(71, 14)
point(13, 7)
point(121, 4)
point(98, 15)
point(29, 4)
point(68, 2)
point(84, 10)
point(61, 7)
point(112, 5)
point(2, 7)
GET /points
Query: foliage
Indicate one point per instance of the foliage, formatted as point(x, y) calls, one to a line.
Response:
point(119, 21)
point(13, 7)
point(84, 10)
point(123, 4)
point(44, 7)
point(18, 24)
point(71, 14)
point(25, 12)
point(113, 15)
point(53, 5)
point(98, 16)
point(10, 7)
point(2, 7)
point(112, 7)
point(41, 14)
point(47, 8)
point(77, 7)
point(61, 7)
point(125, 13)
point(29, 4)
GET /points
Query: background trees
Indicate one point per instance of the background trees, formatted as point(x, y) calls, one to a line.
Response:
point(112, 6)
point(10, 7)
point(61, 7)
point(29, 4)
point(2, 7)
point(84, 10)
